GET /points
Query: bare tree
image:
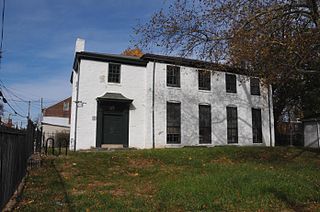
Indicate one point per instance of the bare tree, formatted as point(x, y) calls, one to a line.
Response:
point(278, 40)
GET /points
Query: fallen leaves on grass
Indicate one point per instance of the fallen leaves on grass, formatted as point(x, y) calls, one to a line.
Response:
point(222, 160)
point(118, 192)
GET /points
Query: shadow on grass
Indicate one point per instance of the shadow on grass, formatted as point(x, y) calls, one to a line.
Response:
point(63, 186)
point(306, 149)
point(282, 196)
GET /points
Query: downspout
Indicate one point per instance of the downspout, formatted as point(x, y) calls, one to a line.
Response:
point(269, 107)
point(153, 96)
point(318, 136)
point(76, 112)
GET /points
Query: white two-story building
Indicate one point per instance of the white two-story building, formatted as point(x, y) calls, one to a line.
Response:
point(159, 101)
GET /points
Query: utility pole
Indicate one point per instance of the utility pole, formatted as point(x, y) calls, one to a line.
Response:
point(41, 106)
point(29, 108)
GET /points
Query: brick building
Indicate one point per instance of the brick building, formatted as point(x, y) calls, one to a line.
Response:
point(56, 119)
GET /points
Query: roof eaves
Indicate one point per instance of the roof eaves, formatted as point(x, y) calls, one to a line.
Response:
point(193, 63)
point(136, 61)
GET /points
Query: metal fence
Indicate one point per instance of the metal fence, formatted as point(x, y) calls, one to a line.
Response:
point(16, 146)
point(55, 143)
point(289, 134)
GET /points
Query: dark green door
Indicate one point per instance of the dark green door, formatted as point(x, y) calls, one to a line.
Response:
point(114, 129)
point(112, 123)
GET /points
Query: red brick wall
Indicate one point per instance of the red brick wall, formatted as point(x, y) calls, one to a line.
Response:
point(57, 110)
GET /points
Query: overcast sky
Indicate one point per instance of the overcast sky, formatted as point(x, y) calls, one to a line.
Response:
point(39, 39)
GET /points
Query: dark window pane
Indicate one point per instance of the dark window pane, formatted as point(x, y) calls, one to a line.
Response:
point(232, 125)
point(114, 73)
point(173, 123)
point(231, 83)
point(255, 86)
point(204, 124)
point(173, 76)
point(204, 79)
point(256, 126)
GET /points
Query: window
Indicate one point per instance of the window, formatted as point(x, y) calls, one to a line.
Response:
point(173, 123)
point(114, 73)
point(256, 126)
point(204, 124)
point(232, 125)
point(204, 80)
point(65, 106)
point(173, 76)
point(255, 86)
point(231, 83)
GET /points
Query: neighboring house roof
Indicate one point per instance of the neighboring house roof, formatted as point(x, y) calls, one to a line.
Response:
point(58, 114)
point(142, 61)
point(58, 110)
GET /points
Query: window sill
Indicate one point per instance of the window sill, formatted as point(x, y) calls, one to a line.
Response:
point(207, 144)
point(173, 145)
point(204, 91)
point(231, 94)
point(174, 88)
point(114, 83)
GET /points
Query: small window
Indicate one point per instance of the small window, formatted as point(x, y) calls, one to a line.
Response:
point(173, 76)
point(114, 73)
point(255, 86)
point(204, 124)
point(66, 106)
point(173, 123)
point(204, 80)
point(256, 125)
point(231, 83)
point(232, 125)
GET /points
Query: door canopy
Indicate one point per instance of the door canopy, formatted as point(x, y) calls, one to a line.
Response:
point(114, 97)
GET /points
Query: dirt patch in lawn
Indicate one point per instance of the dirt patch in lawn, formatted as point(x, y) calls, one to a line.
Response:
point(222, 160)
point(118, 192)
point(99, 184)
point(147, 189)
point(141, 163)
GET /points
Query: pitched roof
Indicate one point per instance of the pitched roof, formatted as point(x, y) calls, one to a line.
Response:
point(181, 61)
point(142, 61)
point(129, 60)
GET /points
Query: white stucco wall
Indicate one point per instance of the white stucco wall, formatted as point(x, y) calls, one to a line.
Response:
point(136, 84)
point(311, 134)
point(93, 84)
point(190, 97)
point(73, 109)
point(53, 120)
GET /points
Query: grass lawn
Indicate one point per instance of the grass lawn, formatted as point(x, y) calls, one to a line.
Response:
point(187, 179)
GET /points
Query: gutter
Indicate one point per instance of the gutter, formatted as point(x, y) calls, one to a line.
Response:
point(269, 107)
point(153, 96)
point(318, 133)
point(76, 112)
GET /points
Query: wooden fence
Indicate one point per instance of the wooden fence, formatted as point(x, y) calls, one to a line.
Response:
point(16, 146)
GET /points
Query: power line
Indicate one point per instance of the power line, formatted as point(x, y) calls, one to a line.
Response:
point(8, 90)
point(15, 111)
point(14, 102)
point(24, 101)
point(18, 94)
point(6, 102)
point(2, 28)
